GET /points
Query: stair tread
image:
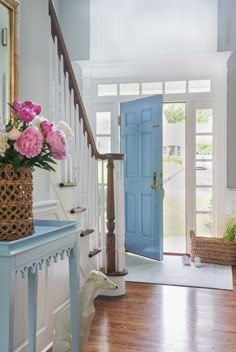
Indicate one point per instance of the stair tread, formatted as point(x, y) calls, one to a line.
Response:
point(86, 232)
point(94, 252)
point(77, 210)
point(67, 184)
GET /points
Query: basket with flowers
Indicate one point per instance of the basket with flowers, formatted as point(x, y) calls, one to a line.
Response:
point(27, 140)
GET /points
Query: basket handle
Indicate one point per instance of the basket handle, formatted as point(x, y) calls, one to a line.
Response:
point(192, 234)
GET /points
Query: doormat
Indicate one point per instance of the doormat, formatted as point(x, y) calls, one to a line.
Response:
point(171, 271)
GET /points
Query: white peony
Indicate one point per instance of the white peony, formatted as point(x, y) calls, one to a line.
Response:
point(3, 143)
point(64, 127)
point(14, 134)
point(37, 121)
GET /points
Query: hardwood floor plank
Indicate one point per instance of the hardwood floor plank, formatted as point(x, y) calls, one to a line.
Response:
point(165, 318)
point(158, 318)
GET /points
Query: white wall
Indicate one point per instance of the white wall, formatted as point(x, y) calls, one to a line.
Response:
point(56, 4)
point(137, 29)
point(74, 19)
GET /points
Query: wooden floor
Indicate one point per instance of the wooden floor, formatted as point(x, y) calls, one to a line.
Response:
point(157, 318)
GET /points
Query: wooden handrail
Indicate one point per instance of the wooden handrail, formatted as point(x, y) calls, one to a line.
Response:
point(62, 51)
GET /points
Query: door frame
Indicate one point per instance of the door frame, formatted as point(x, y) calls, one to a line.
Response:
point(213, 67)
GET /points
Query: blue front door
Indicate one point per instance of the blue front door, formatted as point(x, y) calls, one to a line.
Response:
point(141, 141)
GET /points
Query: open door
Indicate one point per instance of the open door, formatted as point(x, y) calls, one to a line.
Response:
point(141, 141)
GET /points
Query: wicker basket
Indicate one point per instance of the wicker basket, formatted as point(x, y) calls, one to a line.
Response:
point(16, 216)
point(213, 250)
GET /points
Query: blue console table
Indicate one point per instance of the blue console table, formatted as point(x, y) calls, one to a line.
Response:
point(52, 240)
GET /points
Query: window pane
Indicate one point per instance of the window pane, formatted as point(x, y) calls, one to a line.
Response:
point(129, 89)
point(203, 199)
point(107, 90)
point(173, 113)
point(175, 87)
point(152, 88)
point(104, 144)
point(174, 218)
point(203, 173)
point(203, 147)
point(105, 172)
point(204, 120)
point(199, 86)
point(204, 225)
point(103, 123)
point(102, 189)
point(102, 218)
point(100, 163)
point(99, 171)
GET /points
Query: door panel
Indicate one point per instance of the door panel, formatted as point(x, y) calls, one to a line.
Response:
point(146, 149)
point(141, 141)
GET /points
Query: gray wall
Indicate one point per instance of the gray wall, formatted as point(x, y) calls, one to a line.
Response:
point(226, 25)
point(5, 65)
point(74, 18)
point(227, 42)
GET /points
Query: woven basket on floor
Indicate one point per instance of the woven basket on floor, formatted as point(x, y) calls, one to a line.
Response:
point(213, 250)
point(16, 216)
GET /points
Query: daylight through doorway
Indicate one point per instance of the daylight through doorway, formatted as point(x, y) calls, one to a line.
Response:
point(174, 208)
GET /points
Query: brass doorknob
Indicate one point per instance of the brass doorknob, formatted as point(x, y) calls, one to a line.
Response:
point(154, 185)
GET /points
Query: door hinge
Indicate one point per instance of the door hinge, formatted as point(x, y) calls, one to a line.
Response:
point(118, 120)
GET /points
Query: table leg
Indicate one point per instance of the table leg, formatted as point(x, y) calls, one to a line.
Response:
point(32, 308)
point(74, 297)
point(7, 283)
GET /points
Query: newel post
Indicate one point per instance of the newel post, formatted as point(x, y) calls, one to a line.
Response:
point(111, 256)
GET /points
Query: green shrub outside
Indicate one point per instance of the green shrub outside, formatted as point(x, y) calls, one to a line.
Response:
point(230, 229)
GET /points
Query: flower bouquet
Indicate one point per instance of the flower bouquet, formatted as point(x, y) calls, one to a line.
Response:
point(31, 140)
point(27, 140)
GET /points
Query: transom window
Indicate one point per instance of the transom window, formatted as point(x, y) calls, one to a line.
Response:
point(149, 88)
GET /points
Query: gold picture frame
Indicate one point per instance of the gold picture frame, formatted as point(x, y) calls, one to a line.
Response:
point(10, 39)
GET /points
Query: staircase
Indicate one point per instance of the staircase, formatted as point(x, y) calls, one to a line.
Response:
point(76, 180)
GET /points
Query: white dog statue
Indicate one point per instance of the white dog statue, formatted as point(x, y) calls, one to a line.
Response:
point(62, 334)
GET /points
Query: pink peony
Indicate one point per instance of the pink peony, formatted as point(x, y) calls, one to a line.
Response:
point(57, 143)
point(14, 134)
point(37, 109)
point(27, 114)
point(32, 106)
point(16, 106)
point(30, 142)
point(46, 127)
point(26, 110)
